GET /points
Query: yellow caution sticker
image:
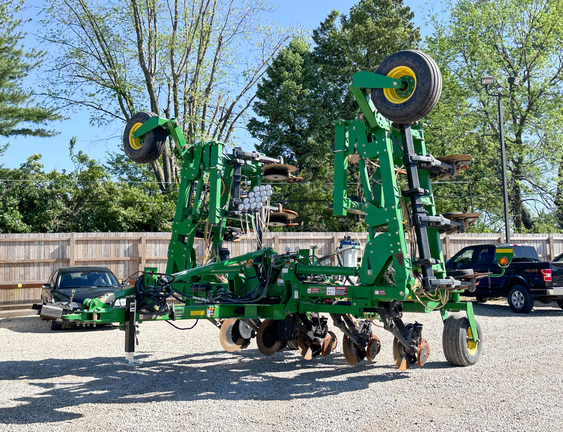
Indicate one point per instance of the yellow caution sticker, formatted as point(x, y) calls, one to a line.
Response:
point(197, 313)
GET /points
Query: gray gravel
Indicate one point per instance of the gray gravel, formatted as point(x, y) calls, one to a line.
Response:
point(77, 380)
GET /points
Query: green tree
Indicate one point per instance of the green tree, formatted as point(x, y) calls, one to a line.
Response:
point(84, 200)
point(20, 115)
point(194, 60)
point(506, 38)
point(306, 90)
point(361, 40)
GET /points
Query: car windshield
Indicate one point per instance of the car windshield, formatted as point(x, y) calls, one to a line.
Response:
point(94, 278)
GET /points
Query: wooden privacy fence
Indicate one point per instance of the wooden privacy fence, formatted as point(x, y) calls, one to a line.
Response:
point(27, 260)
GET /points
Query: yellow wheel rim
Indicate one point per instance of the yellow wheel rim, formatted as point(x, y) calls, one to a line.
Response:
point(471, 344)
point(408, 80)
point(135, 143)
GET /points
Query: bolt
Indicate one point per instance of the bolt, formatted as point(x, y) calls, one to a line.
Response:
point(370, 272)
point(401, 293)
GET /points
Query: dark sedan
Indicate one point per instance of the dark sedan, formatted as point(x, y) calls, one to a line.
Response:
point(70, 286)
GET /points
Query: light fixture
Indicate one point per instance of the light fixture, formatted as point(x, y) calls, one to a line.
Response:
point(514, 81)
point(487, 80)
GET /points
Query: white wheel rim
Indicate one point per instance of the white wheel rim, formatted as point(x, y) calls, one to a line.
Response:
point(518, 299)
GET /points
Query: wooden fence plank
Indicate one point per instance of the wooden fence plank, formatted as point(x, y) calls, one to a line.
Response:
point(31, 258)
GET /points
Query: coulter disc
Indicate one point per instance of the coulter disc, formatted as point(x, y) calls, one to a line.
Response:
point(229, 336)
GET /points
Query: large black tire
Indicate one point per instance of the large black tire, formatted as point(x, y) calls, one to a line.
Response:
point(520, 299)
point(560, 303)
point(149, 147)
point(459, 349)
point(422, 87)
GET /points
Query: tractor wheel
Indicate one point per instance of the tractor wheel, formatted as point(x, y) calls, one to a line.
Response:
point(420, 89)
point(147, 148)
point(267, 338)
point(520, 299)
point(458, 347)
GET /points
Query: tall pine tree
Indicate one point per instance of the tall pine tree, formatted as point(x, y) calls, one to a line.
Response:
point(19, 114)
point(306, 90)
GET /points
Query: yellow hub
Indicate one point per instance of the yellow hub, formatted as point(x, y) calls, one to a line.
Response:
point(135, 143)
point(471, 344)
point(401, 95)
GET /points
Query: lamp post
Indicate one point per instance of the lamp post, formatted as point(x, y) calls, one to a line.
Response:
point(513, 81)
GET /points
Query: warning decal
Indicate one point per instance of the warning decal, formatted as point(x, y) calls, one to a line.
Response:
point(337, 291)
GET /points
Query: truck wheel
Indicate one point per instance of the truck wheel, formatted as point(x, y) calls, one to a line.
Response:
point(520, 299)
point(560, 303)
point(459, 348)
point(421, 87)
point(150, 146)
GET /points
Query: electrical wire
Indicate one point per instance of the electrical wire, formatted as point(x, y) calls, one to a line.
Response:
point(182, 328)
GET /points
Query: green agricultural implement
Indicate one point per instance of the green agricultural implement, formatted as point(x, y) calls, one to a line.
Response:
point(284, 298)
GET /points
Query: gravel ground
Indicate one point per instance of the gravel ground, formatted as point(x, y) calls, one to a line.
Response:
point(77, 380)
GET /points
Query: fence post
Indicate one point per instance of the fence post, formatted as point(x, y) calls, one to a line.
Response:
point(551, 244)
point(142, 249)
point(71, 247)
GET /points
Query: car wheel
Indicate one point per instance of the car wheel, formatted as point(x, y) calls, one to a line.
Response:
point(56, 325)
point(457, 341)
point(520, 299)
point(560, 303)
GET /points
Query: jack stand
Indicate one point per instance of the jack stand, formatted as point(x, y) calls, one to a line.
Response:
point(130, 330)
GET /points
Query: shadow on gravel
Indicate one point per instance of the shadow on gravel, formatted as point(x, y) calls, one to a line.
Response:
point(34, 324)
point(496, 310)
point(215, 375)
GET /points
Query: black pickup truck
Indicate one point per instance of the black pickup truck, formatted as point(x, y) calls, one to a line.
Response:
point(526, 279)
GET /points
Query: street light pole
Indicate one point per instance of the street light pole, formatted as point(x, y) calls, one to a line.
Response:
point(486, 81)
point(503, 162)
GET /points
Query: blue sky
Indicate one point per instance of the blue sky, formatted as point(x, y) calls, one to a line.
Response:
point(98, 141)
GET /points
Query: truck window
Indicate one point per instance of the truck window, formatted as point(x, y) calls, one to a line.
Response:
point(463, 259)
point(525, 253)
point(484, 255)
